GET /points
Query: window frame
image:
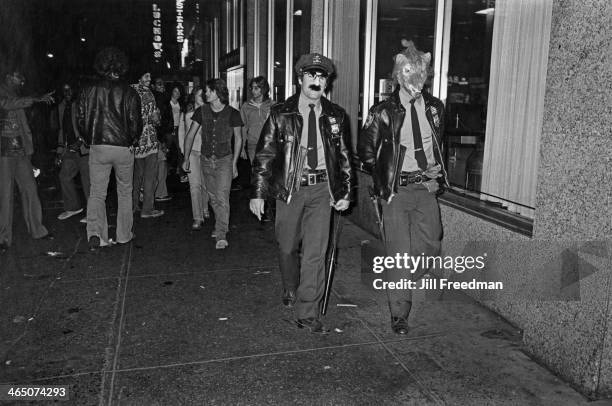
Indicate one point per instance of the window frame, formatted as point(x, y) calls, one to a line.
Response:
point(457, 198)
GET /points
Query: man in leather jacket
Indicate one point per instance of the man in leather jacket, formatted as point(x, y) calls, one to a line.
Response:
point(302, 159)
point(400, 144)
point(110, 120)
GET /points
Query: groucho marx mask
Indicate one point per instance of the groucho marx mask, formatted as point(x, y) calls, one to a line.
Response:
point(411, 68)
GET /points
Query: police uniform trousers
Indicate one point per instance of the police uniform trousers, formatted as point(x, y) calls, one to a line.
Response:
point(302, 233)
point(412, 226)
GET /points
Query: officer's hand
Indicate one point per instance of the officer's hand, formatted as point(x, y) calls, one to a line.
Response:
point(185, 165)
point(257, 207)
point(432, 185)
point(342, 205)
point(243, 154)
point(234, 171)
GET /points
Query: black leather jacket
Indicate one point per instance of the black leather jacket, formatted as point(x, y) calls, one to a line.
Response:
point(109, 114)
point(274, 166)
point(379, 142)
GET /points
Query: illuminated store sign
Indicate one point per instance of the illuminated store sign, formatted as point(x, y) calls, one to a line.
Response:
point(157, 33)
point(180, 28)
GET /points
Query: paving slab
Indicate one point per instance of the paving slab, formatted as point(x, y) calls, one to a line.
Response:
point(470, 368)
point(67, 329)
point(358, 375)
point(218, 315)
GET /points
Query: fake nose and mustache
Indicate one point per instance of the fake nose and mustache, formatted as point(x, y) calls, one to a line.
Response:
point(316, 88)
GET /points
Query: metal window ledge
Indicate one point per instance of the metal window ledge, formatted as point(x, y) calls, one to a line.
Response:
point(488, 211)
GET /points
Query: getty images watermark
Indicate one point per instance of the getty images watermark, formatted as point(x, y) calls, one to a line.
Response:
point(410, 264)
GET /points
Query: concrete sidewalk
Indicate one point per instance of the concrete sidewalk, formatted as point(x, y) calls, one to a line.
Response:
point(169, 320)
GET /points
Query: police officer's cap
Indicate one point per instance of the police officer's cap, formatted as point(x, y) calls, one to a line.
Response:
point(314, 61)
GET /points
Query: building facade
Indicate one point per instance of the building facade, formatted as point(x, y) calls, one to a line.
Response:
point(527, 162)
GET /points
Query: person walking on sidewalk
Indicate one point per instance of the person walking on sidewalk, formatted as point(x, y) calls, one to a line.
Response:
point(110, 116)
point(73, 152)
point(302, 159)
point(170, 155)
point(16, 149)
point(145, 162)
point(254, 114)
point(400, 144)
point(220, 123)
point(197, 188)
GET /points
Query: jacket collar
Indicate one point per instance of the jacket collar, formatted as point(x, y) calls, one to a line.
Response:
point(395, 98)
point(263, 103)
point(291, 105)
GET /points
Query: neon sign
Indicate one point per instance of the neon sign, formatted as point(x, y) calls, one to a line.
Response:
point(180, 28)
point(157, 33)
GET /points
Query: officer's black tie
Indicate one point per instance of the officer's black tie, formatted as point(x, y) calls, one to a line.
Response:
point(419, 154)
point(312, 138)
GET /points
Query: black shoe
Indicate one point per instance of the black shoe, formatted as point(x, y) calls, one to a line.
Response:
point(288, 298)
point(399, 325)
point(94, 243)
point(314, 325)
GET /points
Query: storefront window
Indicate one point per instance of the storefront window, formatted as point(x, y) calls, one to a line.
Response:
point(464, 47)
point(301, 29)
point(382, 26)
point(280, 43)
point(414, 20)
point(467, 91)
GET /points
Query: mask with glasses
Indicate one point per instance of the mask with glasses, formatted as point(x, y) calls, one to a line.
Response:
point(315, 74)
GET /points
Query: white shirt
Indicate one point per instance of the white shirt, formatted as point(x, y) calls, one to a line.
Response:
point(406, 139)
point(176, 112)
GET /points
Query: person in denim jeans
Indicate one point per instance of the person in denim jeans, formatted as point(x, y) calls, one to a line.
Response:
point(112, 133)
point(197, 187)
point(219, 122)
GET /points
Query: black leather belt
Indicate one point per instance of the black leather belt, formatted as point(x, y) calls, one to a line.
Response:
point(407, 178)
point(312, 178)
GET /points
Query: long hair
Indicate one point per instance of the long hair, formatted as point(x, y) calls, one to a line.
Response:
point(218, 86)
point(191, 100)
point(111, 60)
point(263, 85)
point(181, 99)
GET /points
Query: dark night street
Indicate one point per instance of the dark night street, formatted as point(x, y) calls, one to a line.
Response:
point(169, 320)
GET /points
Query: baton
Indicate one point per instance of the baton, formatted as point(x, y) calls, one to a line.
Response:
point(379, 214)
point(331, 264)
